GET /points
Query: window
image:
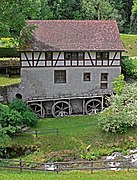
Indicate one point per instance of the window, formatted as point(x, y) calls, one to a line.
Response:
point(49, 56)
point(103, 85)
point(80, 55)
point(102, 55)
point(104, 76)
point(60, 76)
point(86, 77)
point(68, 56)
point(74, 55)
point(104, 81)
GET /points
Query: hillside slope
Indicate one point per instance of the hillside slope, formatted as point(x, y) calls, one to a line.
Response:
point(130, 44)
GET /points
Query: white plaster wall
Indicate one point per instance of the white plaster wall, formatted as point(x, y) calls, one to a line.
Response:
point(40, 81)
point(56, 54)
point(92, 54)
point(111, 55)
point(23, 57)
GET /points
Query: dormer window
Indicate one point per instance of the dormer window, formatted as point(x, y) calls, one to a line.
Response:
point(102, 55)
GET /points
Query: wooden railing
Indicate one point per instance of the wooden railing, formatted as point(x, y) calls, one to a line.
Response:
point(65, 166)
point(42, 131)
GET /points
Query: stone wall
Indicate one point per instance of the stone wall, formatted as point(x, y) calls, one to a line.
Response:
point(6, 91)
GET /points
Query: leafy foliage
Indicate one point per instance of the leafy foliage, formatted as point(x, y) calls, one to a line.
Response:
point(29, 118)
point(122, 114)
point(9, 42)
point(12, 118)
point(118, 84)
point(129, 67)
point(133, 21)
point(4, 138)
point(19, 105)
point(14, 13)
point(26, 35)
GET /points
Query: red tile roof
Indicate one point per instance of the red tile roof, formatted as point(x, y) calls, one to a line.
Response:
point(76, 35)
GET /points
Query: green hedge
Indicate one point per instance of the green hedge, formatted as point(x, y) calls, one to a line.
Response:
point(9, 52)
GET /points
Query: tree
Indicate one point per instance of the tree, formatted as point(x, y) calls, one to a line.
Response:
point(14, 14)
point(96, 9)
point(123, 8)
point(46, 10)
point(64, 9)
point(133, 22)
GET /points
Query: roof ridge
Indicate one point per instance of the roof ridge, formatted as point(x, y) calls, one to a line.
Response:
point(71, 20)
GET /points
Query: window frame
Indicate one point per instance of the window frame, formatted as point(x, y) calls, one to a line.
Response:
point(104, 81)
point(102, 78)
point(51, 56)
point(84, 76)
point(101, 56)
point(58, 76)
point(77, 57)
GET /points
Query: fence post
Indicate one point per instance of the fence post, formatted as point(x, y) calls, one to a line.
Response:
point(91, 167)
point(57, 168)
point(20, 165)
point(128, 168)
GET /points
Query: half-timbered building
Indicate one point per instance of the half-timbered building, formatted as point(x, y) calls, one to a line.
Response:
point(69, 66)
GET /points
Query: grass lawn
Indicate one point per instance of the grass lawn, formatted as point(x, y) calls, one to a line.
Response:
point(130, 44)
point(73, 175)
point(75, 134)
point(4, 80)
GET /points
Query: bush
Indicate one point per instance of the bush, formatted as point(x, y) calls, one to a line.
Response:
point(118, 122)
point(118, 84)
point(129, 68)
point(4, 138)
point(9, 117)
point(9, 52)
point(29, 118)
point(19, 105)
point(122, 114)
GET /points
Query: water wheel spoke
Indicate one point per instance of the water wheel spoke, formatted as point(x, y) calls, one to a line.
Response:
point(57, 112)
point(90, 109)
point(35, 108)
point(37, 111)
point(98, 104)
point(58, 107)
point(90, 105)
point(66, 113)
point(93, 104)
point(62, 105)
point(65, 108)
